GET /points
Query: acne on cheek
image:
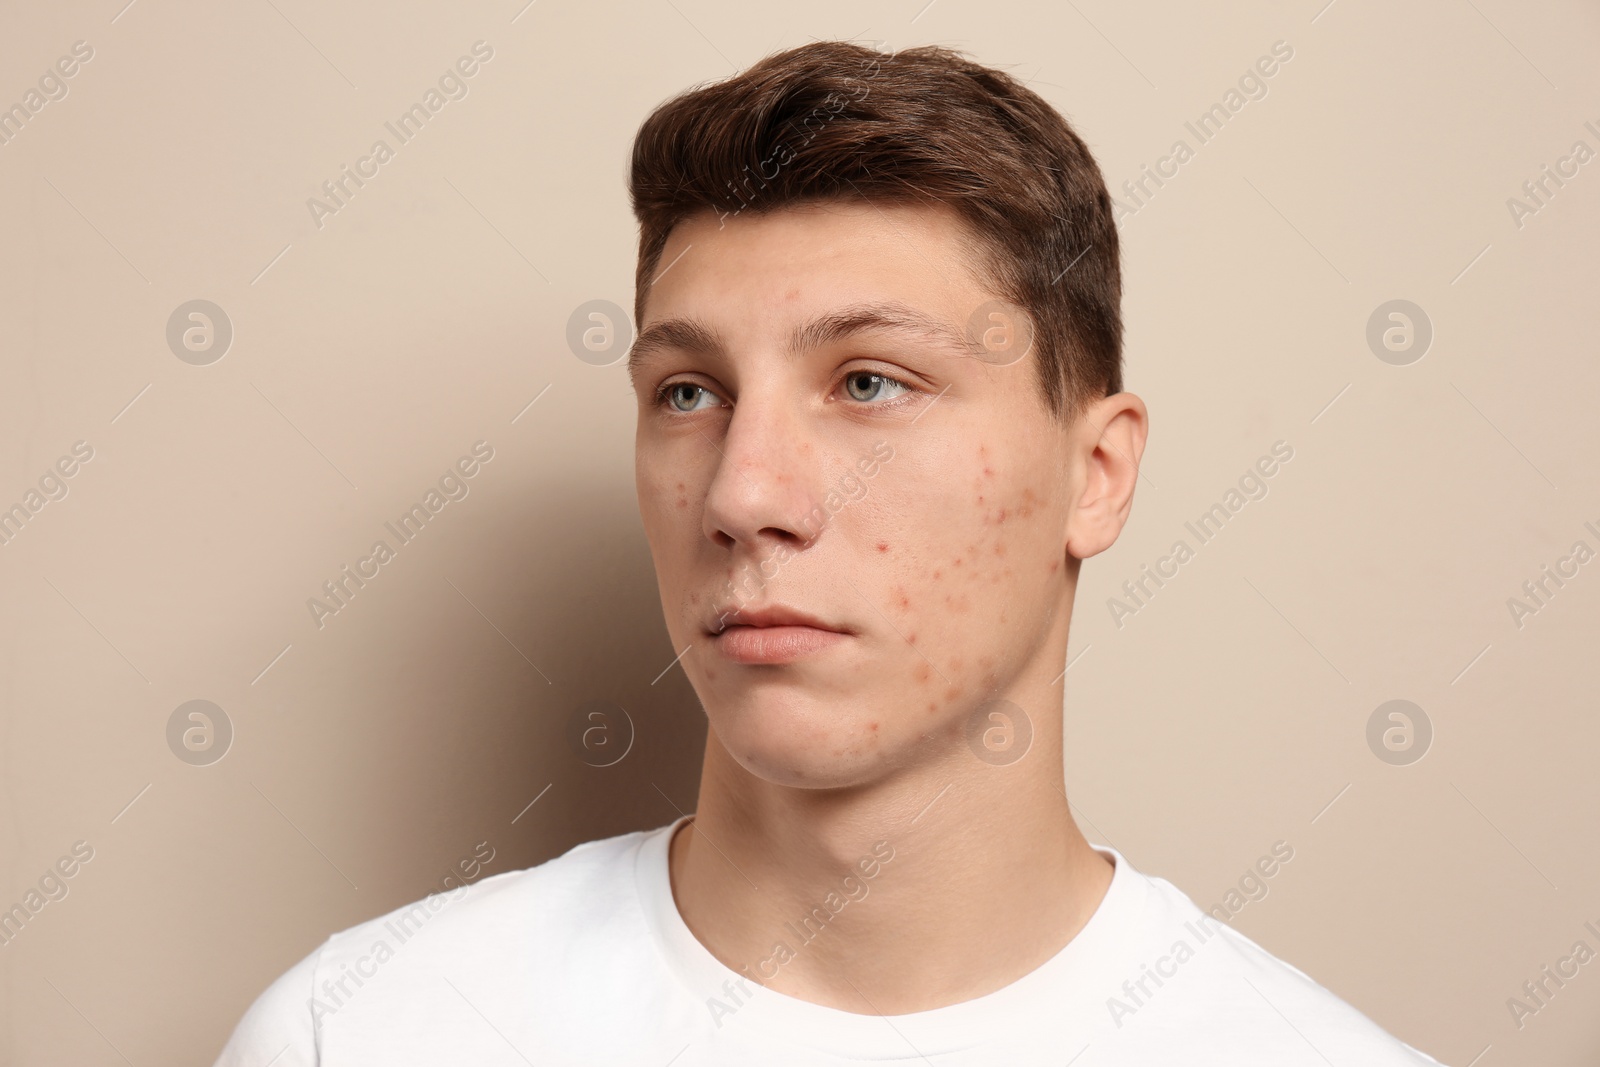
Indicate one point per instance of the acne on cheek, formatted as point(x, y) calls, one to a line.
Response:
point(969, 571)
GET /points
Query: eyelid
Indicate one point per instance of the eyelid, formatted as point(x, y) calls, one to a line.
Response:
point(900, 378)
point(660, 398)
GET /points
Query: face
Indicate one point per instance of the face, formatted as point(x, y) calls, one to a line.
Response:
point(859, 530)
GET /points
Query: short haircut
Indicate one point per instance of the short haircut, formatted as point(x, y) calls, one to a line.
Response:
point(835, 120)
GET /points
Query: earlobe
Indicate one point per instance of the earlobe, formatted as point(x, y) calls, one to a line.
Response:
point(1106, 448)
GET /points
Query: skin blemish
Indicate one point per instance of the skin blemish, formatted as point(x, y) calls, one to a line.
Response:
point(903, 600)
point(873, 727)
point(932, 708)
point(883, 546)
point(922, 672)
point(937, 574)
point(999, 548)
point(911, 639)
point(1055, 565)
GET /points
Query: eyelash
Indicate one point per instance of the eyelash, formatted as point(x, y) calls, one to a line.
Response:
point(911, 391)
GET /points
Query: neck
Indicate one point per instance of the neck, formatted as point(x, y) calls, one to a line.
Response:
point(944, 882)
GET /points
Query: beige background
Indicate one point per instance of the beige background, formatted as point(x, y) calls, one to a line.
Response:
point(370, 353)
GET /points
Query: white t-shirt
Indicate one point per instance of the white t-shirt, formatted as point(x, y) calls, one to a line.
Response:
point(585, 960)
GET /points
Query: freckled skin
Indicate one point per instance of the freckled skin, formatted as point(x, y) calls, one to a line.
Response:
point(724, 486)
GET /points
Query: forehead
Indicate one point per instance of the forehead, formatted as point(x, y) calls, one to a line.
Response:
point(813, 256)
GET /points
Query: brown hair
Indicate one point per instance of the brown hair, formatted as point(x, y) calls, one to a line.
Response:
point(834, 119)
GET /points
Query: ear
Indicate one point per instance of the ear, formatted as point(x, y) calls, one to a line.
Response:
point(1104, 449)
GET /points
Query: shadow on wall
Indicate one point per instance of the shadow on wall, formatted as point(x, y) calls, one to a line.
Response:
point(483, 706)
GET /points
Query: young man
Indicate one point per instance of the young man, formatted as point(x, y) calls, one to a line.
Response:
point(880, 425)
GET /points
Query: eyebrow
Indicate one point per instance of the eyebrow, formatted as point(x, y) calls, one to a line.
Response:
point(692, 335)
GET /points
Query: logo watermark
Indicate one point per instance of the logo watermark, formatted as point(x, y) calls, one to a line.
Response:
point(1538, 592)
point(199, 332)
point(851, 488)
point(1252, 85)
point(199, 732)
point(1252, 485)
point(1399, 732)
point(452, 486)
point(1399, 332)
point(50, 887)
point(452, 85)
point(853, 888)
point(600, 733)
point(52, 87)
point(52, 487)
point(1538, 992)
point(999, 733)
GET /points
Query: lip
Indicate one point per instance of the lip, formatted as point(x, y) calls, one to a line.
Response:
point(774, 644)
point(774, 634)
point(772, 615)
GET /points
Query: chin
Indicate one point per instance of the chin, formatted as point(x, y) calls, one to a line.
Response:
point(800, 744)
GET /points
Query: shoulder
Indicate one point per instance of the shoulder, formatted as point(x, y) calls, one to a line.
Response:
point(1224, 989)
point(476, 925)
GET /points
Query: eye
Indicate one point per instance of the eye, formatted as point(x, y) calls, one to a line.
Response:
point(685, 397)
point(866, 386)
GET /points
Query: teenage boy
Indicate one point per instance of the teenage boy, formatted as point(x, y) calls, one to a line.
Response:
point(881, 424)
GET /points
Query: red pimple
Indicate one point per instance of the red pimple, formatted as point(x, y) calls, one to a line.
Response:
point(883, 546)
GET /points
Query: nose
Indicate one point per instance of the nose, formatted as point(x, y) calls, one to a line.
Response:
point(764, 492)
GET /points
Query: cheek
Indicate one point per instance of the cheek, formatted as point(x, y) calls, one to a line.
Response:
point(668, 500)
point(962, 575)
